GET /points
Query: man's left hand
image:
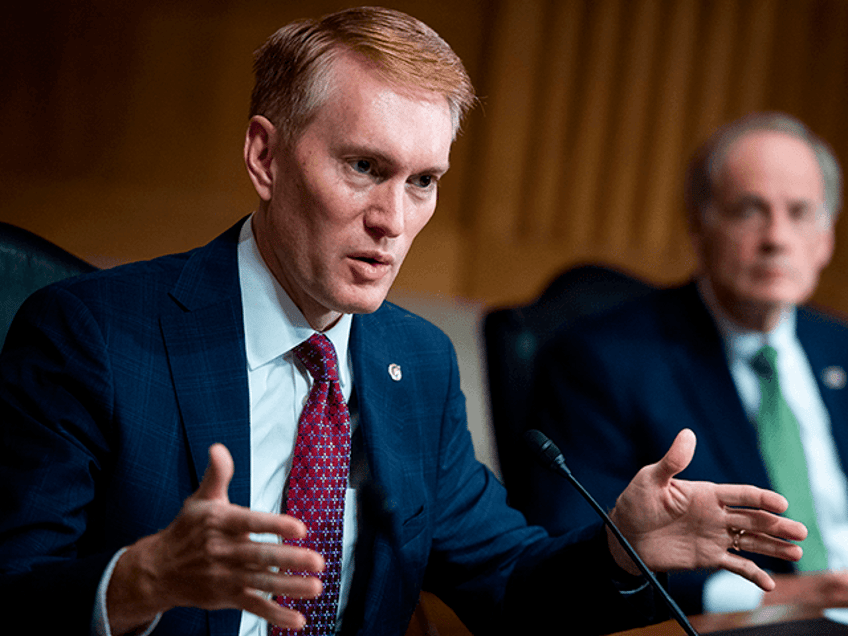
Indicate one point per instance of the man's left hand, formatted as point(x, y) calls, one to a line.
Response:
point(675, 524)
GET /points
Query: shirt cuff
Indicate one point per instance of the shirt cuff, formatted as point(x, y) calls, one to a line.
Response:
point(100, 619)
point(728, 592)
point(623, 581)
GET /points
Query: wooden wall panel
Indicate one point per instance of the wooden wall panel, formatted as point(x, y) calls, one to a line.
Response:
point(122, 125)
point(614, 124)
point(672, 88)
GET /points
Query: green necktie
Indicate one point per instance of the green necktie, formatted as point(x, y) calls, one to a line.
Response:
point(783, 453)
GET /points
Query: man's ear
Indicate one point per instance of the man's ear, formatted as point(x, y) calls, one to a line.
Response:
point(826, 245)
point(260, 143)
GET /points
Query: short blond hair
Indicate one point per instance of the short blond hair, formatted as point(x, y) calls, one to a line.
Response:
point(292, 68)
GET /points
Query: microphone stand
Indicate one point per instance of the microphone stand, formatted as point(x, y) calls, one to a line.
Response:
point(551, 457)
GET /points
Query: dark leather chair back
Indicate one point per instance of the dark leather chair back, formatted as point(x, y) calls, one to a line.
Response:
point(27, 263)
point(513, 336)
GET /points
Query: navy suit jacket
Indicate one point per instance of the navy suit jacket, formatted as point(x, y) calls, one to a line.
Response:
point(614, 391)
point(114, 385)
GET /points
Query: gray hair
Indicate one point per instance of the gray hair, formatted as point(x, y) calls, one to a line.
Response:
point(708, 161)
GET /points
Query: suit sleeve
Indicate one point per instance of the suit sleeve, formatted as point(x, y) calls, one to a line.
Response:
point(52, 393)
point(502, 576)
point(598, 400)
point(576, 405)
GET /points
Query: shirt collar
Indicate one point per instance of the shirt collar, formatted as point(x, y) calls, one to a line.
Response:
point(274, 325)
point(744, 343)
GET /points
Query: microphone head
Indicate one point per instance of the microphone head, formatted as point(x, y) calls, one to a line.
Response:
point(547, 452)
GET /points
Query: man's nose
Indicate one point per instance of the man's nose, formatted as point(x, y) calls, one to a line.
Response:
point(386, 213)
point(778, 227)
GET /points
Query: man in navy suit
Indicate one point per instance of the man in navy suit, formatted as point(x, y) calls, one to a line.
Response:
point(763, 195)
point(149, 412)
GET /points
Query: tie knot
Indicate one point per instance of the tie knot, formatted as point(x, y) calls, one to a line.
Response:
point(765, 362)
point(319, 357)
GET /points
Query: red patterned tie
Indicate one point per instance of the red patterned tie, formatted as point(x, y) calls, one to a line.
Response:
point(318, 480)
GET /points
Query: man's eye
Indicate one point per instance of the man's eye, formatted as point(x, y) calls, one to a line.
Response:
point(424, 181)
point(802, 213)
point(744, 212)
point(363, 165)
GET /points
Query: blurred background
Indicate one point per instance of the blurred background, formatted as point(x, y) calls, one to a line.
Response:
point(121, 129)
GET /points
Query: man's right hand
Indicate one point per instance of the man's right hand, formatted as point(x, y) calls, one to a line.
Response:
point(205, 558)
point(821, 589)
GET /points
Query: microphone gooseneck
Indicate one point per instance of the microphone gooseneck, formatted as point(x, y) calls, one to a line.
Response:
point(551, 457)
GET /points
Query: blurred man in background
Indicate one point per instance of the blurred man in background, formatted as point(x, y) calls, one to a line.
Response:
point(732, 355)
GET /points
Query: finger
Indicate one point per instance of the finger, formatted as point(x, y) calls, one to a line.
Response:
point(749, 570)
point(677, 458)
point(273, 612)
point(751, 497)
point(768, 546)
point(273, 555)
point(237, 520)
point(281, 584)
point(759, 521)
point(219, 472)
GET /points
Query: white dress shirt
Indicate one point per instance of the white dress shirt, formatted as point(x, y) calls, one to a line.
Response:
point(725, 591)
point(278, 386)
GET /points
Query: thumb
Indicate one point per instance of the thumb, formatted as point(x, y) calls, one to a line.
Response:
point(677, 458)
point(219, 472)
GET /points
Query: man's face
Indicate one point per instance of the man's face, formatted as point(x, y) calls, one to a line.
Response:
point(767, 235)
point(343, 206)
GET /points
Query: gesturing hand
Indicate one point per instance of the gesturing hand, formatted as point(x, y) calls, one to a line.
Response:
point(820, 589)
point(675, 524)
point(206, 559)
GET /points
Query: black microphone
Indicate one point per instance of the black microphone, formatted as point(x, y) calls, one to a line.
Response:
point(551, 457)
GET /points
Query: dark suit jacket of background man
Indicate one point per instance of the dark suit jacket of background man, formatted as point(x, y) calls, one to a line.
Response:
point(614, 391)
point(112, 388)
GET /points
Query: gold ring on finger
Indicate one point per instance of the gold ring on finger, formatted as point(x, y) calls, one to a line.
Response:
point(737, 535)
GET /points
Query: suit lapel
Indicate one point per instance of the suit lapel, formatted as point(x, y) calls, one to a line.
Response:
point(827, 351)
point(382, 403)
point(697, 354)
point(204, 338)
point(391, 443)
